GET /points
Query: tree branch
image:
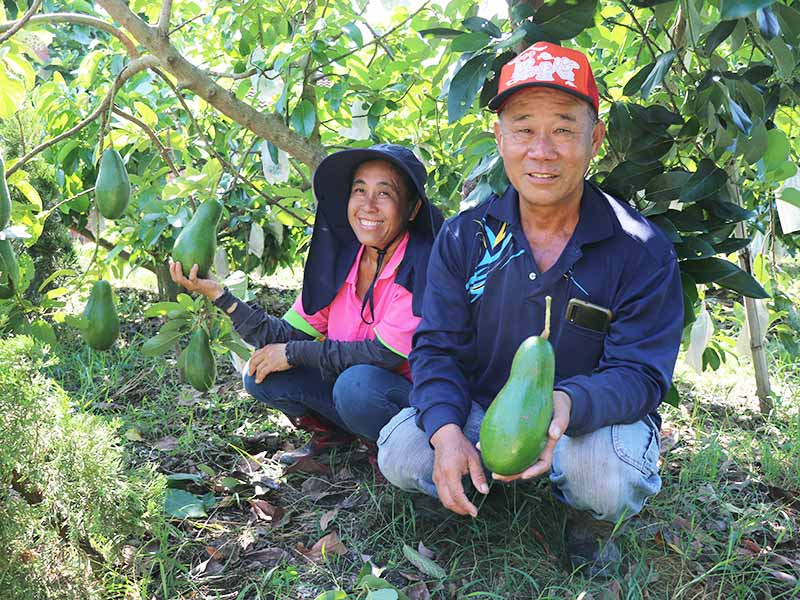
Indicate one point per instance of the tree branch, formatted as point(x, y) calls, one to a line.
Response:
point(163, 19)
point(131, 69)
point(152, 135)
point(21, 23)
point(79, 19)
point(225, 163)
point(267, 126)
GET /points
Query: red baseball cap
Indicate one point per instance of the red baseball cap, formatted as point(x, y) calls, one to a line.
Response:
point(547, 65)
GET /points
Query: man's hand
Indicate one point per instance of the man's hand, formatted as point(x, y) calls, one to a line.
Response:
point(562, 405)
point(208, 287)
point(454, 457)
point(269, 359)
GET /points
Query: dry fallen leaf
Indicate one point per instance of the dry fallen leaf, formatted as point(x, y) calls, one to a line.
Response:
point(427, 553)
point(327, 518)
point(267, 556)
point(166, 443)
point(329, 544)
point(307, 465)
point(207, 568)
point(214, 552)
point(265, 511)
point(418, 591)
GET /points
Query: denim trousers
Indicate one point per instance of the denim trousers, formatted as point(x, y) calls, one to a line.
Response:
point(361, 400)
point(610, 472)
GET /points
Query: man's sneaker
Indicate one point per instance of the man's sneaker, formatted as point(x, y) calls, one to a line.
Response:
point(324, 435)
point(590, 549)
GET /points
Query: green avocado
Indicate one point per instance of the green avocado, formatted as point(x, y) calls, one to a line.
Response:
point(199, 365)
point(112, 190)
point(514, 429)
point(102, 327)
point(197, 243)
point(5, 197)
point(9, 270)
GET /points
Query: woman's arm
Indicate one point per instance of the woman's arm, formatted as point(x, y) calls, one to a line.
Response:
point(332, 357)
point(254, 325)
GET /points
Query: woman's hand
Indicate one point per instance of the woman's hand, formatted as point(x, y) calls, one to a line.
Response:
point(266, 360)
point(208, 287)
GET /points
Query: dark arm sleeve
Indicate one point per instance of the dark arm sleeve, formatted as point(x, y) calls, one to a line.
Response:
point(254, 325)
point(332, 357)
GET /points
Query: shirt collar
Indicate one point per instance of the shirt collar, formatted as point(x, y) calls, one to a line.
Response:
point(388, 270)
point(594, 222)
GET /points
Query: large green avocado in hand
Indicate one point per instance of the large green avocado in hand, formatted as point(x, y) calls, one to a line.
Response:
point(5, 197)
point(9, 270)
point(514, 429)
point(199, 364)
point(197, 243)
point(102, 322)
point(112, 190)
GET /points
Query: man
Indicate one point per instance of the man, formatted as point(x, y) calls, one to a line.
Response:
point(550, 234)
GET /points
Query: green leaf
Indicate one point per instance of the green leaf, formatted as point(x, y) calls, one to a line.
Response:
point(656, 76)
point(739, 117)
point(176, 480)
point(354, 33)
point(666, 187)
point(671, 397)
point(426, 565)
point(708, 270)
point(754, 147)
point(778, 149)
point(55, 275)
point(182, 505)
point(332, 595)
point(736, 9)
point(665, 225)
point(767, 23)
point(635, 83)
point(744, 283)
point(303, 118)
point(160, 343)
point(705, 181)
point(784, 58)
point(466, 84)
point(791, 196)
point(514, 38)
point(479, 24)
point(161, 308)
point(470, 42)
point(441, 32)
point(43, 332)
point(789, 19)
point(718, 35)
point(564, 19)
point(385, 594)
point(694, 248)
point(79, 323)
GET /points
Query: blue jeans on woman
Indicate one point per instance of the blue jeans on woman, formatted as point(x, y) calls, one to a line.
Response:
point(361, 400)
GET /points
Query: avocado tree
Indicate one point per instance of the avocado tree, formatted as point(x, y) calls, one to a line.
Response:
point(239, 101)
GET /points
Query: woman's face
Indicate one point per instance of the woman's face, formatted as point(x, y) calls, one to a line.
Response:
point(378, 203)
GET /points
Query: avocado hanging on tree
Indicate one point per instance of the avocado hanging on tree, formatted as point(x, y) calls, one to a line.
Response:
point(5, 197)
point(102, 323)
point(9, 270)
point(112, 190)
point(199, 364)
point(514, 430)
point(197, 243)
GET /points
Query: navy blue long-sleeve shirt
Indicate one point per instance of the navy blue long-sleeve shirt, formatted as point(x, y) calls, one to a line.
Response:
point(485, 295)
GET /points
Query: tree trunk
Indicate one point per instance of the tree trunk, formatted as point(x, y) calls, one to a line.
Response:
point(167, 289)
point(752, 322)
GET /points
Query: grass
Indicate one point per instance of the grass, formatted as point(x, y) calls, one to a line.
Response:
point(724, 526)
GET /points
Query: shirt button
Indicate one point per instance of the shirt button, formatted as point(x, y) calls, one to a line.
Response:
point(532, 276)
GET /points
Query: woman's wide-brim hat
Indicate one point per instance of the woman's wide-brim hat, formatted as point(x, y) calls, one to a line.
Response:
point(334, 245)
point(333, 180)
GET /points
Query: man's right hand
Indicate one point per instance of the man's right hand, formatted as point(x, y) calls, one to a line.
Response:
point(208, 287)
point(454, 457)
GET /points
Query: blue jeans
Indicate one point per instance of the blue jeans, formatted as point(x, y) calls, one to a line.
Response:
point(361, 400)
point(610, 472)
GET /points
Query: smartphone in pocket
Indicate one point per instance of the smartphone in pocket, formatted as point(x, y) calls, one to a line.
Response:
point(587, 315)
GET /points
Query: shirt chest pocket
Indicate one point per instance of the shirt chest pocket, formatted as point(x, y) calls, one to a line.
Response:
point(578, 350)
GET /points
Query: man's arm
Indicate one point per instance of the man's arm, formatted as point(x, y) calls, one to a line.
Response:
point(639, 354)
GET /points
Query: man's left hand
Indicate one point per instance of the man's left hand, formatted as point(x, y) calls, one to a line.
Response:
point(268, 359)
point(562, 405)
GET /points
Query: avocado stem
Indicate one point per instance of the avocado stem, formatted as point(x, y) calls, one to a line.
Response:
point(546, 330)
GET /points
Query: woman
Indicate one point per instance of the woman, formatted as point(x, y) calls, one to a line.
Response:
point(336, 363)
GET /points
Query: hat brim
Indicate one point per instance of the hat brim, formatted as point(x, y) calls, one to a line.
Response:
point(333, 181)
point(496, 103)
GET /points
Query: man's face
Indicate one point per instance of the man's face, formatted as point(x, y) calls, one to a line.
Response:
point(546, 138)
